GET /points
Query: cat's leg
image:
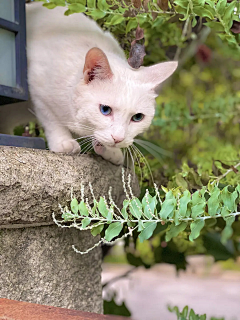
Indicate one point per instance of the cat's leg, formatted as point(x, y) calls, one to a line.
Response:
point(113, 155)
point(61, 141)
point(58, 136)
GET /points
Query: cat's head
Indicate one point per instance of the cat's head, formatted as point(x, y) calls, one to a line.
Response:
point(116, 101)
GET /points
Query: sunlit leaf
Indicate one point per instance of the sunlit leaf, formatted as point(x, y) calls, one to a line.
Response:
point(113, 230)
point(196, 227)
point(147, 232)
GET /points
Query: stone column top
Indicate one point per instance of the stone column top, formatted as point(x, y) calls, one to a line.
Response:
point(34, 182)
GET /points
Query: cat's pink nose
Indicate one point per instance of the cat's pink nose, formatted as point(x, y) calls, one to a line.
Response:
point(117, 139)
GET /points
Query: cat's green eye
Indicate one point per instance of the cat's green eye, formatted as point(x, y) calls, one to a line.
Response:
point(137, 117)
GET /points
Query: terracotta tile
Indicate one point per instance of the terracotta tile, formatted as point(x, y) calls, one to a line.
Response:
point(18, 310)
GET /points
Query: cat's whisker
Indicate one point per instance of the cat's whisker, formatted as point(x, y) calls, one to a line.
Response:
point(84, 137)
point(87, 147)
point(127, 158)
point(66, 123)
point(73, 125)
point(144, 159)
point(153, 149)
point(85, 143)
point(130, 153)
point(139, 165)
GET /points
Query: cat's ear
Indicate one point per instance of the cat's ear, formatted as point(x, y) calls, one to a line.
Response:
point(158, 73)
point(96, 66)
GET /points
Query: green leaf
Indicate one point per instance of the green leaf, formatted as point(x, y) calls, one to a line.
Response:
point(181, 182)
point(175, 310)
point(113, 230)
point(196, 227)
point(115, 20)
point(225, 212)
point(211, 3)
point(132, 24)
point(194, 22)
point(229, 12)
point(175, 230)
point(77, 7)
point(124, 209)
point(135, 207)
point(102, 207)
point(49, 5)
point(214, 202)
point(67, 215)
point(185, 311)
point(60, 3)
point(91, 3)
point(203, 12)
point(83, 209)
point(229, 199)
point(196, 198)
point(140, 226)
point(183, 203)
point(216, 26)
point(182, 3)
point(149, 209)
point(135, 260)
point(74, 206)
point(111, 307)
point(227, 231)
point(102, 5)
point(198, 209)
point(76, 1)
point(192, 315)
point(97, 230)
point(221, 6)
point(94, 208)
point(97, 14)
point(168, 206)
point(68, 12)
point(213, 246)
point(109, 217)
point(147, 232)
point(85, 222)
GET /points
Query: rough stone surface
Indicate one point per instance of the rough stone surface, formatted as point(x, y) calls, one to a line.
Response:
point(37, 262)
point(39, 265)
point(34, 182)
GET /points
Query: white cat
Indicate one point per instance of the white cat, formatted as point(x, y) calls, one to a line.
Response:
point(81, 82)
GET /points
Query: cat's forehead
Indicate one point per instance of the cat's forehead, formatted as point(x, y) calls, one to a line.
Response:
point(121, 92)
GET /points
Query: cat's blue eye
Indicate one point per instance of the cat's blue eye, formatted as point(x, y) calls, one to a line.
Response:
point(137, 117)
point(106, 110)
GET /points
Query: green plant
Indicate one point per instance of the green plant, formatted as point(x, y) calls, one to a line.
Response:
point(187, 314)
point(176, 211)
point(218, 15)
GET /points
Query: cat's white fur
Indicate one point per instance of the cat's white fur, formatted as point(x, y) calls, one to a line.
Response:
point(65, 102)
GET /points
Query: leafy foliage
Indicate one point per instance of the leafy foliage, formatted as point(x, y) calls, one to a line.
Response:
point(178, 210)
point(218, 15)
point(187, 314)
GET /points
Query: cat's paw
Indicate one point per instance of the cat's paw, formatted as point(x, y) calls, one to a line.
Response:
point(66, 146)
point(113, 155)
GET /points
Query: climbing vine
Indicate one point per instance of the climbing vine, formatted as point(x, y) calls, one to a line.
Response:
point(174, 209)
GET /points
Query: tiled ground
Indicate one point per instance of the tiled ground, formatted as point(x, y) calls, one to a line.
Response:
point(205, 287)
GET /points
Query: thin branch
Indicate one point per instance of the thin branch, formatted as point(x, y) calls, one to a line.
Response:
point(226, 173)
point(119, 277)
